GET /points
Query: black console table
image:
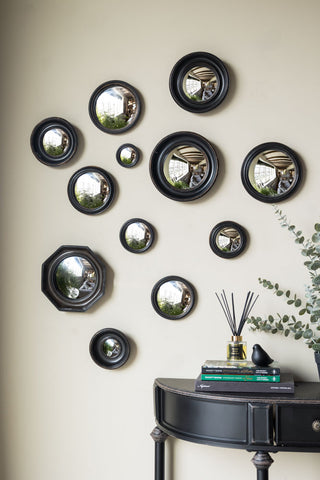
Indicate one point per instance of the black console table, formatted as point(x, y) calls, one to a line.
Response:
point(255, 422)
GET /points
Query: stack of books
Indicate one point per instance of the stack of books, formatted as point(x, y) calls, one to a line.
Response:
point(227, 376)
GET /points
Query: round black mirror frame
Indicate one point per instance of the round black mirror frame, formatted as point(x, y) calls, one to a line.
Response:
point(215, 232)
point(96, 348)
point(71, 187)
point(49, 286)
point(159, 155)
point(122, 235)
point(183, 66)
point(251, 157)
point(164, 280)
point(118, 155)
point(36, 141)
point(93, 101)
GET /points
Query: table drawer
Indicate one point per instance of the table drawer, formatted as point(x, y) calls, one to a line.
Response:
point(297, 425)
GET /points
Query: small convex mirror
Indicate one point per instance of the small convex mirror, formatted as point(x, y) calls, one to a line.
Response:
point(109, 348)
point(137, 235)
point(173, 297)
point(54, 141)
point(228, 239)
point(271, 172)
point(128, 155)
point(73, 278)
point(91, 190)
point(115, 106)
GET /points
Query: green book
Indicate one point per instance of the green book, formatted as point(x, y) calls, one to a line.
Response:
point(240, 378)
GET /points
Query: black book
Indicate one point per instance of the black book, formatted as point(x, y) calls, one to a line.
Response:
point(286, 385)
point(224, 367)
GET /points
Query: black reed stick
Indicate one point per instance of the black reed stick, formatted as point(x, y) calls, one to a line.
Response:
point(231, 318)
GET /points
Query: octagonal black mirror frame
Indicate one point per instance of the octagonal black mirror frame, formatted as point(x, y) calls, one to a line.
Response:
point(96, 348)
point(49, 286)
point(36, 141)
point(159, 155)
point(183, 66)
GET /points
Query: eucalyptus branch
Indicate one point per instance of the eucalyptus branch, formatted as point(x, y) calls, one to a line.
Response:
point(288, 324)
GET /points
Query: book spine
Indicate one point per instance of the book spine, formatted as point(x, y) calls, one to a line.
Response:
point(240, 371)
point(241, 378)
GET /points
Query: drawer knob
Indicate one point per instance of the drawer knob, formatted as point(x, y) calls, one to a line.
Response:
point(316, 425)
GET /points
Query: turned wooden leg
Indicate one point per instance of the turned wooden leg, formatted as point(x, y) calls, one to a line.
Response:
point(159, 438)
point(262, 462)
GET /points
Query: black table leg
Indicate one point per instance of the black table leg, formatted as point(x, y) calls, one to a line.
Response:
point(159, 438)
point(262, 462)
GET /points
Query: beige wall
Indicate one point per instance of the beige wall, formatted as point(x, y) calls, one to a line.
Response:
point(64, 417)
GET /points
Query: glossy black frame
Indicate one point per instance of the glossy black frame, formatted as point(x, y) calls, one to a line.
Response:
point(158, 157)
point(168, 279)
point(96, 348)
point(250, 158)
point(50, 288)
point(118, 157)
point(99, 90)
point(122, 235)
point(215, 232)
point(36, 141)
point(182, 67)
point(73, 199)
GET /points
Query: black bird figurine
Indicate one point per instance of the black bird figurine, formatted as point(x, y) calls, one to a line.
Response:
point(260, 356)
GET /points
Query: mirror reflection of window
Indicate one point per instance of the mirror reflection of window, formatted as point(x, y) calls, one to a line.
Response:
point(186, 167)
point(229, 240)
point(75, 277)
point(137, 235)
point(115, 107)
point(272, 173)
point(173, 298)
point(55, 142)
point(91, 190)
point(200, 84)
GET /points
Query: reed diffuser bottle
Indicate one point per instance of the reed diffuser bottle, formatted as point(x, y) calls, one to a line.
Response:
point(236, 347)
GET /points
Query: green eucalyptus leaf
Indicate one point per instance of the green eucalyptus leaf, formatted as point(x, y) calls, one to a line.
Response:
point(316, 280)
point(286, 332)
point(291, 227)
point(317, 227)
point(270, 318)
point(308, 333)
point(290, 302)
point(274, 330)
point(297, 303)
point(316, 237)
point(279, 293)
point(288, 293)
point(315, 265)
point(302, 311)
point(298, 335)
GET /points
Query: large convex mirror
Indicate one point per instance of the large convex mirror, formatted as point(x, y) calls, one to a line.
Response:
point(199, 82)
point(228, 239)
point(271, 172)
point(115, 106)
point(73, 278)
point(91, 190)
point(173, 297)
point(76, 277)
point(109, 348)
point(54, 141)
point(183, 166)
point(137, 235)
